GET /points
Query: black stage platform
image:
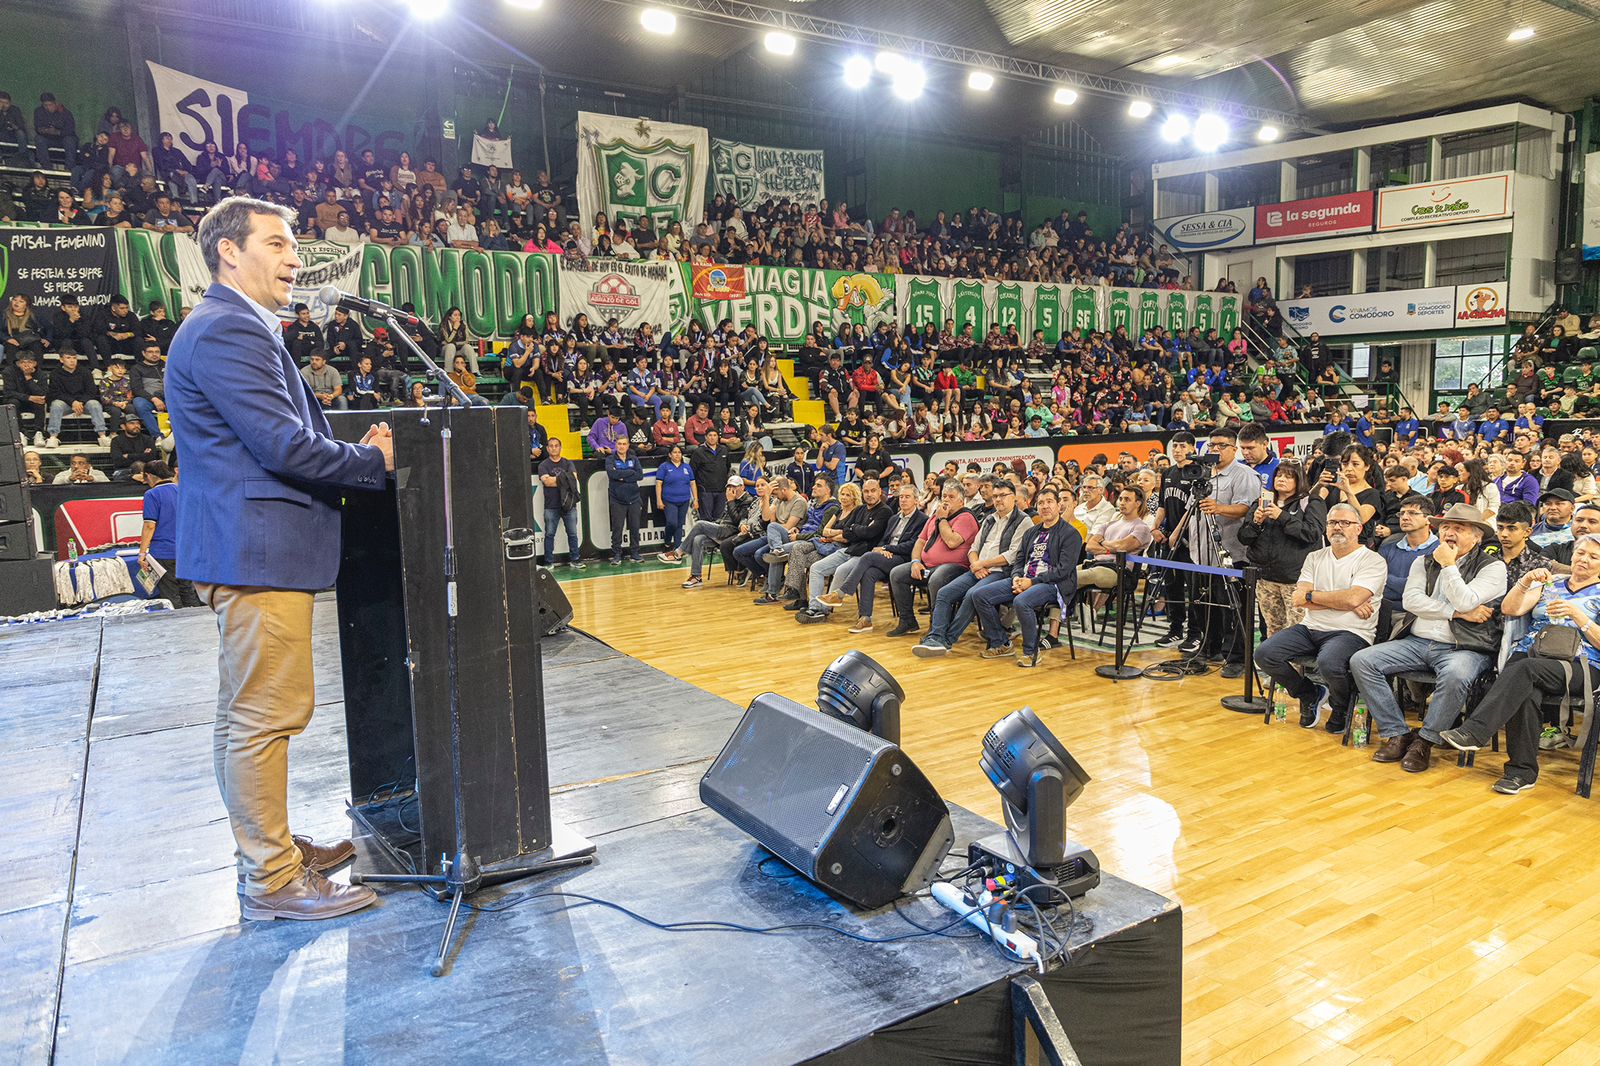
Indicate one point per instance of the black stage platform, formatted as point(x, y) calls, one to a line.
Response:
point(123, 940)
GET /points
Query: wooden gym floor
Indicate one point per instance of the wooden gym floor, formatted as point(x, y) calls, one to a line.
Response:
point(1337, 910)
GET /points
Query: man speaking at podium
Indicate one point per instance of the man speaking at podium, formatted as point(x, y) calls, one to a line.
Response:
point(258, 534)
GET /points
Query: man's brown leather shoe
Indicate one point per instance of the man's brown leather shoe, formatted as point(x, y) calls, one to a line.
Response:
point(1394, 748)
point(319, 857)
point(307, 898)
point(1418, 756)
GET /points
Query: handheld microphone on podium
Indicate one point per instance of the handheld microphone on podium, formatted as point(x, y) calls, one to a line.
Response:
point(333, 297)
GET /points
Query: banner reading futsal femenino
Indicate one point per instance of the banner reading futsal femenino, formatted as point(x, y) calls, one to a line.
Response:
point(46, 264)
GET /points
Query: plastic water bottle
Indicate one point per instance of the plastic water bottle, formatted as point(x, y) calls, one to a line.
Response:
point(1358, 726)
point(1280, 710)
point(72, 549)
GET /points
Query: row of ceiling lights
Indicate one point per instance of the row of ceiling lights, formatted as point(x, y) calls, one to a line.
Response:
point(907, 78)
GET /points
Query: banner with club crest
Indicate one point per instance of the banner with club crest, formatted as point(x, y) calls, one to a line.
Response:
point(753, 173)
point(635, 167)
point(1056, 308)
point(629, 291)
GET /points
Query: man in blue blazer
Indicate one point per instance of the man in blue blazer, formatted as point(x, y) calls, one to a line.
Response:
point(258, 534)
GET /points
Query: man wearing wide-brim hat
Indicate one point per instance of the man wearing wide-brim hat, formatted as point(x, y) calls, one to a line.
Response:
point(1451, 628)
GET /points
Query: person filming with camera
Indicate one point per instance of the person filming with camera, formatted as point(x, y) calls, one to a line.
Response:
point(1223, 496)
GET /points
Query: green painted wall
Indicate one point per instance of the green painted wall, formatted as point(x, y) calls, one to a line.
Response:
point(916, 175)
point(88, 74)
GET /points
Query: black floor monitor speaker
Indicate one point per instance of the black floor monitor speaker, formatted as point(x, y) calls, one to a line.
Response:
point(847, 809)
point(17, 540)
point(26, 586)
point(554, 610)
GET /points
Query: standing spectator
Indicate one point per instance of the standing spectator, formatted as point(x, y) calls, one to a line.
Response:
point(326, 383)
point(53, 127)
point(627, 507)
point(72, 391)
point(158, 540)
point(712, 464)
point(559, 476)
point(22, 387)
point(677, 493)
point(1278, 532)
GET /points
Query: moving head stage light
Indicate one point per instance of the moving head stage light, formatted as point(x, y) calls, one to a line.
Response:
point(1037, 780)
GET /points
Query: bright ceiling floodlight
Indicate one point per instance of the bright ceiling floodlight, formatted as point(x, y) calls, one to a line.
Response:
point(658, 20)
point(908, 81)
point(1521, 33)
point(1175, 128)
point(1139, 108)
point(780, 43)
point(1037, 780)
point(1210, 132)
point(427, 10)
point(1065, 97)
point(857, 72)
point(1268, 133)
point(525, 5)
point(856, 689)
point(1170, 61)
point(888, 62)
point(981, 80)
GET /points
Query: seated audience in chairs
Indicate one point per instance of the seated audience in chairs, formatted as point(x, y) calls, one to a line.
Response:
point(857, 532)
point(993, 553)
point(1095, 510)
point(780, 514)
point(776, 556)
point(1450, 627)
point(1338, 587)
point(72, 391)
point(23, 387)
point(1415, 540)
point(1513, 524)
point(1044, 575)
point(132, 445)
point(939, 556)
point(1128, 532)
point(1278, 532)
point(740, 517)
point(1526, 680)
point(902, 530)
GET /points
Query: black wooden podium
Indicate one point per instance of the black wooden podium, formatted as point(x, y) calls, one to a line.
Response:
point(391, 602)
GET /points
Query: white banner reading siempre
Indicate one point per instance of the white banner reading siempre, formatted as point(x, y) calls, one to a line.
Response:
point(195, 111)
point(752, 173)
point(630, 168)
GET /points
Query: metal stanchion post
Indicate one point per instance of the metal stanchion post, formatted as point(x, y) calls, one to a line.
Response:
point(1248, 703)
point(1121, 671)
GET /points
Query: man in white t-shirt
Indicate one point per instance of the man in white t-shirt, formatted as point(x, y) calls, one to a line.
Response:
point(461, 233)
point(1340, 588)
point(1095, 510)
point(1127, 532)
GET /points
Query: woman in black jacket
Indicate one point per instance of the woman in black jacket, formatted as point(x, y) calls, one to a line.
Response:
point(1278, 532)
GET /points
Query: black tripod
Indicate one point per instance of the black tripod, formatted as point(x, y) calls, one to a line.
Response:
point(459, 875)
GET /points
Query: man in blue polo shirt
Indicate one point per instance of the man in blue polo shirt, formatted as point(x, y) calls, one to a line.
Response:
point(1493, 427)
point(158, 540)
point(1408, 428)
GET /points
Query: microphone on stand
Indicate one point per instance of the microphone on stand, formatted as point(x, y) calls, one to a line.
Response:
point(333, 297)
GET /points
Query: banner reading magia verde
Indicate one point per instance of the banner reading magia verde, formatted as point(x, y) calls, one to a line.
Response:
point(629, 168)
point(783, 303)
point(47, 264)
point(753, 173)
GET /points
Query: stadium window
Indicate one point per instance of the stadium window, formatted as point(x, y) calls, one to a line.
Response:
point(1459, 363)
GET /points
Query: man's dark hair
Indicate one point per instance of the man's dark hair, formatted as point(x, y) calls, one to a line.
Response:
point(1397, 471)
point(1416, 499)
point(1250, 431)
point(231, 220)
point(1515, 513)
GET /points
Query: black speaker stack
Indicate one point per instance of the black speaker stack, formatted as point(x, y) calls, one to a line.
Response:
point(27, 583)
